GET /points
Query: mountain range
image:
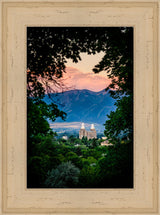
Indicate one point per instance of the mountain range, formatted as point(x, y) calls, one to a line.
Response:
point(83, 105)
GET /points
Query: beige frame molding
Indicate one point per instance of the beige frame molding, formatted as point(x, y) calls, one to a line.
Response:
point(143, 15)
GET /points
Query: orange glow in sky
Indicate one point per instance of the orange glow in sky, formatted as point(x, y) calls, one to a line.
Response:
point(76, 79)
point(80, 75)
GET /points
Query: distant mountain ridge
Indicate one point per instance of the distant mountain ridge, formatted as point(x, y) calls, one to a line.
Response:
point(83, 105)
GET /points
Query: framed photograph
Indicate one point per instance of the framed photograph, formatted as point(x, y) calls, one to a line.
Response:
point(80, 104)
point(79, 112)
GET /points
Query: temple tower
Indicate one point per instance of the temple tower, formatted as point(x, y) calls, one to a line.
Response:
point(82, 132)
point(92, 133)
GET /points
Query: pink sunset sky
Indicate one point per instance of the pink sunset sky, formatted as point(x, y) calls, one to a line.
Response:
point(80, 75)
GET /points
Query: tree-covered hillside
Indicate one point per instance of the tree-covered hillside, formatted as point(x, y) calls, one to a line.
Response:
point(76, 163)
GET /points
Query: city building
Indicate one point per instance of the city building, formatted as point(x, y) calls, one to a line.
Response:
point(105, 142)
point(65, 138)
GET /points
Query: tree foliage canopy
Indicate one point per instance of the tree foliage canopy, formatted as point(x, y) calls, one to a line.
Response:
point(64, 176)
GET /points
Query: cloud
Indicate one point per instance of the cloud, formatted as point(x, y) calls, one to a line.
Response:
point(76, 79)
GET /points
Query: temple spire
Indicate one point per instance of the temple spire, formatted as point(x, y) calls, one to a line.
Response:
point(92, 126)
point(82, 126)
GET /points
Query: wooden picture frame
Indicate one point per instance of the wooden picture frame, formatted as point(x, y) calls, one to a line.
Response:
point(143, 15)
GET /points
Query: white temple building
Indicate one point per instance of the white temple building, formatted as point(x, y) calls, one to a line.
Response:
point(89, 134)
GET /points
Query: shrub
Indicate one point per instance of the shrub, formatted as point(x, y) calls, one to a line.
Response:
point(64, 176)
